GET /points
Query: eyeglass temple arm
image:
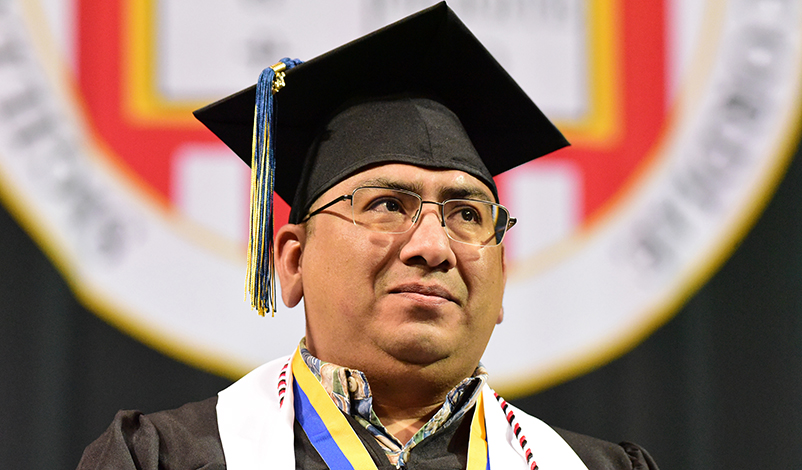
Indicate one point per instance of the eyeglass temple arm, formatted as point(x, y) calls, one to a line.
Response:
point(344, 197)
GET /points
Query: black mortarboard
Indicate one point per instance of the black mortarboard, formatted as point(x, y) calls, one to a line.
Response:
point(431, 55)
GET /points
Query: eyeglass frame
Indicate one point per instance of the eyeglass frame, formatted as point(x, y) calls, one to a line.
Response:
point(511, 221)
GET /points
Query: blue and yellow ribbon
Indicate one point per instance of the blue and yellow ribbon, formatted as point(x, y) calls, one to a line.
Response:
point(336, 441)
point(478, 454)
point(324, 424)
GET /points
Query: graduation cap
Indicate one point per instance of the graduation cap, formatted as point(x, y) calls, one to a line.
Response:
point(422, 91)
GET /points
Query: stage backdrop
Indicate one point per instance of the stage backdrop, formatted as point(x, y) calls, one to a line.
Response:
point(683, 117)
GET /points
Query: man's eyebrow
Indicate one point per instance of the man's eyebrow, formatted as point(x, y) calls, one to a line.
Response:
point(382, 182)
point(454, 192)
point(465, 192)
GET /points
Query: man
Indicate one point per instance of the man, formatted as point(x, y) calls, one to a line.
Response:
point(387, 148)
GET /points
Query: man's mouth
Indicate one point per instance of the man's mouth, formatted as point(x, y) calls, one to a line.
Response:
point(425, 292)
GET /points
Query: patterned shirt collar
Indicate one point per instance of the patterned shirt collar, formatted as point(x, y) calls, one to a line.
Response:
point(350, 391)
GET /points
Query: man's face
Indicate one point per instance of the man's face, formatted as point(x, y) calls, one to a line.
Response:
point(384, 302)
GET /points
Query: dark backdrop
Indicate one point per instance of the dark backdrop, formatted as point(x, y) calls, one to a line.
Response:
point(718, 387)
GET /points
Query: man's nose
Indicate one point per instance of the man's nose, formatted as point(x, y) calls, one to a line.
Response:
point(428, 241)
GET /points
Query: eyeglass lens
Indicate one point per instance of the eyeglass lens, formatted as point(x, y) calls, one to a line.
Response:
point(394, 211)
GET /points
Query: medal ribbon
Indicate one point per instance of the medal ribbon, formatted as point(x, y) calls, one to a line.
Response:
point(478, 454)
point(324, 423)
point(335, 440)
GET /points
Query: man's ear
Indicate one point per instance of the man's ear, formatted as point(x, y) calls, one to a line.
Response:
point(289, 248)
point(504, 284)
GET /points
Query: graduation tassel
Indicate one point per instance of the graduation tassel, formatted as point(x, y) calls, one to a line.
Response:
point(260, 277)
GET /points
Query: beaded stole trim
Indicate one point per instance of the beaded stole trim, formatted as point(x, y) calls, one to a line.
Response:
point(282, 383)
point(516, 429)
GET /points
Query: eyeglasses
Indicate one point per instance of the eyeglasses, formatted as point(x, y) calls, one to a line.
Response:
point(389, 210)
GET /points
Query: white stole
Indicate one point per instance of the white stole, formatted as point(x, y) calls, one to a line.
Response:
point(257, 433)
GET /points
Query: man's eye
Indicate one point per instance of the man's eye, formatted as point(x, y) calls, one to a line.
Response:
point(465, 215)
point(469, 215)
point(386, 205)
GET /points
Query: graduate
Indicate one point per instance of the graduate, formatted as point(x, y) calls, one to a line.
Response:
point(386, 149)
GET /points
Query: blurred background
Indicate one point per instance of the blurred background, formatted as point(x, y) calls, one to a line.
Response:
point(654, 291)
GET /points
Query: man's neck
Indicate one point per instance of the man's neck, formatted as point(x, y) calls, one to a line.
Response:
point(405, 406)
point(404, 398)
point(403, 423)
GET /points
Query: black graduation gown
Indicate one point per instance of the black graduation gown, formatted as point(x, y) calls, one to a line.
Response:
point(187, 438)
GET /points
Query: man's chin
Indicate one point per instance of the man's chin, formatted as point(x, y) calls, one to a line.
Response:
point(419, 348)
point(419, 357)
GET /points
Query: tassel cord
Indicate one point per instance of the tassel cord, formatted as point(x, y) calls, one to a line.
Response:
point(260, 277)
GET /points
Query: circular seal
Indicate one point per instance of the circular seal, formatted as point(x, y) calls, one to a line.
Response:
point(681, 116)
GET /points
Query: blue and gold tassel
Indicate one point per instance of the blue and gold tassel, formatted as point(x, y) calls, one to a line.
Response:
point(261, 277)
